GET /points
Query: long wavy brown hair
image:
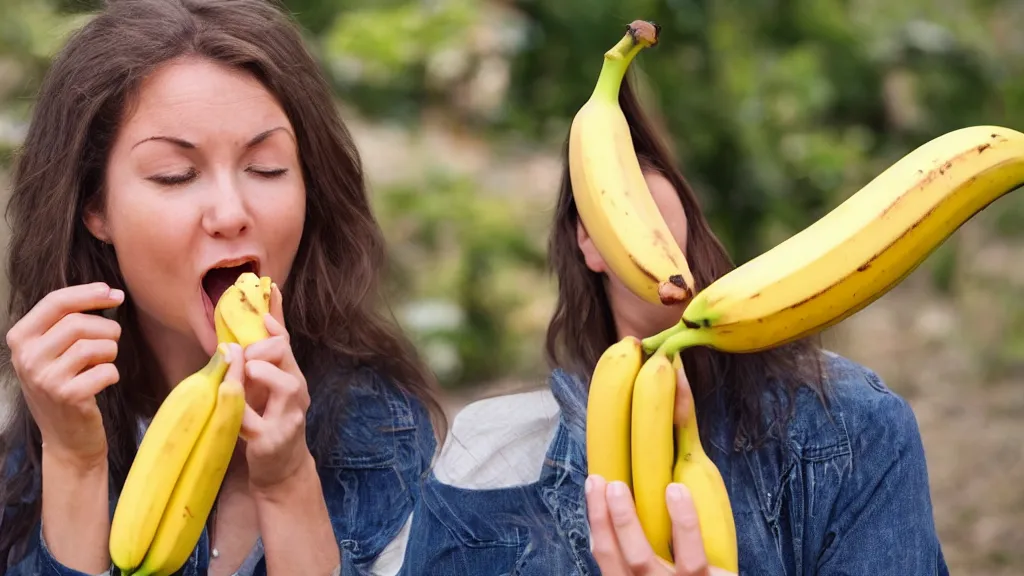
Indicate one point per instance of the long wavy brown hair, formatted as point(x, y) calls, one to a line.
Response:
point(582, 326)
point(331, 300)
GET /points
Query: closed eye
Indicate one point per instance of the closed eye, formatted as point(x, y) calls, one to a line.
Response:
point(268, 173)
point(174, 179)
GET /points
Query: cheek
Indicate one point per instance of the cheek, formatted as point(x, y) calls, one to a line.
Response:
point(153, 242)
point(670, 206)
point(279, 221)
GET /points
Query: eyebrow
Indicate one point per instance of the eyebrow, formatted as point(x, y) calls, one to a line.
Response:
point(254, 141)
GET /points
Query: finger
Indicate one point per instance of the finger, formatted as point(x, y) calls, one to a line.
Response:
point(88, 384)
point(636, 550)
point(684, 399)
point(277, 307)
point(274, 350)
point(69, 329)
point(59, 303)
point(603, 542)
point(81, 355)
point(252, 424)
point(687, 543)
point(284, 389)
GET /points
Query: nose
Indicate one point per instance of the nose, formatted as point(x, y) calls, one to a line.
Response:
point(227, 214)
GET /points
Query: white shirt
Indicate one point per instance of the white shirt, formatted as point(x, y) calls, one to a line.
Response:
point(498, 442)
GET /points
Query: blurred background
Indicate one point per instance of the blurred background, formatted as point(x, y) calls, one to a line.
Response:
point(778, 110)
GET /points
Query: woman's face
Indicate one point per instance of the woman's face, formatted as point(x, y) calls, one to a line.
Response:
point(204, 174)
point(633, 315)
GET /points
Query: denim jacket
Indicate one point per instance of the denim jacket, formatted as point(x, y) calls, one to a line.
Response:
point(370, 482)
point(843, 492)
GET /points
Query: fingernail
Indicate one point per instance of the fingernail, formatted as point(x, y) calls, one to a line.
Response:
point(674, 492)
point(617, 489)
point(588, 485)
point(117, 295)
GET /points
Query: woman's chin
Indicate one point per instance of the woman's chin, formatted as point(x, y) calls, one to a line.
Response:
point(207, 339)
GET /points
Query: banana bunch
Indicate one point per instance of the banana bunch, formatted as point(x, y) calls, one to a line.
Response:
point(858, 251)
point(609, 189)
point(184, 455)
point(631, 437)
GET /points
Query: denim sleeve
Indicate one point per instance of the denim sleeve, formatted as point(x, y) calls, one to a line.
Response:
point(38, 561)
point(883, 522)
point(372, 474)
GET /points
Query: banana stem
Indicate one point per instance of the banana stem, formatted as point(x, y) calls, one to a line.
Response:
point(639, 35)
point(652, 343)
point(682, 339)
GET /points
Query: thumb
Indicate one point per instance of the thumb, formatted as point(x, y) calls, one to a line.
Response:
point(236, 364)
point(684, 397)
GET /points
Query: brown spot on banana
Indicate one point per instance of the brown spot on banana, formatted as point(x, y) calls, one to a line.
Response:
point(249, 306)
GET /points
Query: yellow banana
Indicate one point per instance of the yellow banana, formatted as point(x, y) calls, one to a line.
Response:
point(859, 250)
point(238, 316)
point(609, 411)
point(695, 470)
point(609, 189)
point(653, 450)
point(161, 456)
point(187, 447)
point(196, 489)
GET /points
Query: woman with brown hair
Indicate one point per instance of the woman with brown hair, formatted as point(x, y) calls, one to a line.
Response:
point(175, 144)
point(823, 463)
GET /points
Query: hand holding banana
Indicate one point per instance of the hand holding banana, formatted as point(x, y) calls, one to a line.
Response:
point(619, 544)
point(697, 523)
point(184, 454)
point(642, 438)
point(274, 427)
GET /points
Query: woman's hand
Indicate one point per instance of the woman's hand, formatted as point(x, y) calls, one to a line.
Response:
point(63, 358)
point(274, 426)
point(294, 523)
point(619, 544)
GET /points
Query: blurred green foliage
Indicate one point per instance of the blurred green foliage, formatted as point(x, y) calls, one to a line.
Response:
point(466, 248)
point(778, 110)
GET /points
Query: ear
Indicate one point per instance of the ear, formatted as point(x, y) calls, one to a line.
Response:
point(591, 256)
point(96, 222)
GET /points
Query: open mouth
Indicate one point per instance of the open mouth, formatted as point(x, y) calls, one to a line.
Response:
point(217, 280)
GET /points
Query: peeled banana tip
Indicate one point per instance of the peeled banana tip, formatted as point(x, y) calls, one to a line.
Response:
point(671, 293)
point(644, 31)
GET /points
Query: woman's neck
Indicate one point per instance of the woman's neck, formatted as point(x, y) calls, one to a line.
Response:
point(636, 317)
point(176, 354)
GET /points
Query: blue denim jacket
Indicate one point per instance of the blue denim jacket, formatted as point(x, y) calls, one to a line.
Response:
point(370, 481)
point(844, 492)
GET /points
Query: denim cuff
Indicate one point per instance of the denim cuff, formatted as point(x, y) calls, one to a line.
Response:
point(348, 566)
point(51, 567)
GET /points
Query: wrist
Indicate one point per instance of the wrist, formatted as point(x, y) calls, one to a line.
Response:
point(297, 484)
point(75, 465)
